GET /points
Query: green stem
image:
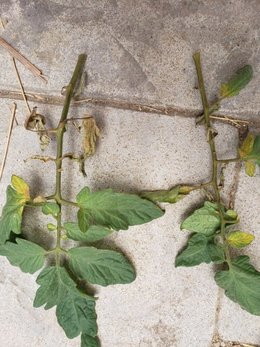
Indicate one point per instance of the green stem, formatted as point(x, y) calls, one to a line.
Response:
point(59, 137)
point(215, 161)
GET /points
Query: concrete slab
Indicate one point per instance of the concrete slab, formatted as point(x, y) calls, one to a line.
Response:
point(136, 51)
point(139, 53)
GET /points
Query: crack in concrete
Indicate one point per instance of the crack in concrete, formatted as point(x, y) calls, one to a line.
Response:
point(219, 342)
point(169, 110)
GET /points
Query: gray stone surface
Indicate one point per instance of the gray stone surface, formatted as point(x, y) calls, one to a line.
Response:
point(139, 52)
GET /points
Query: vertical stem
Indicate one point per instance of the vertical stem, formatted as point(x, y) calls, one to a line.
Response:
point(59, 137)
point(214, 180)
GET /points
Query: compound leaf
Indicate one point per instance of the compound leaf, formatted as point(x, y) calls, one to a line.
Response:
point(200, 249)
point(51, 208)
point(239, 239)
point(241, 284)
point(93, 233)
point(89, 341)
point(75, 310)
point(114, 210)
point(25, 254)
point(237, 82)
point(17, 195)
point(100, 266)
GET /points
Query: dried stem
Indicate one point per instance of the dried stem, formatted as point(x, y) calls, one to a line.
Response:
point(15, 54)
point(8, 140)
point(170, 111)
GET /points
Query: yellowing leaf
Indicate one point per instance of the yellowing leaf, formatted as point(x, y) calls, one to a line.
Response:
point(11, 218)
point(247, 146)
point(250, 153)
point(250, 168)
point(21, 187)
point(237, 82)
point(239, 239)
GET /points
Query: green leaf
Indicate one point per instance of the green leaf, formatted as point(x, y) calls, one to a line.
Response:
point(204, 220)
point(93, 233)
point(51, 208)
point(200, 249)
point(237, 82)
point(89, 341)
point(25, 254)
point(216, 253)
point(83, 220)
point(241, 283)
point(231, 217)
point(239, 239)
point(114, 210)
point(100, 266)
point(16, 197)
point(75, 310)
point(172, 195)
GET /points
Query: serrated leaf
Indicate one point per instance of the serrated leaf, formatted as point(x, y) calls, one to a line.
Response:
point(11, 218)
point(239, 239)
point(237, 82)
point(241, 284)
point(93, 233)
point(172, 195)
point(89, 341)
point(75, 310)
point(51, 208)
point(25, 254)
point(100, 266)
point(204, 220)
point(200, 249)
point(114, 210)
